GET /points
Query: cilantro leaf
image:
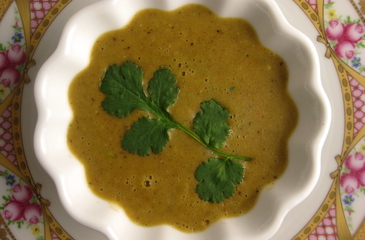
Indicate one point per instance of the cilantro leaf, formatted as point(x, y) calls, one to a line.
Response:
point(146, 134)
point(162, 88)
point(218, 178)
point(124, 91)
point(210, 124)
point(123, 86)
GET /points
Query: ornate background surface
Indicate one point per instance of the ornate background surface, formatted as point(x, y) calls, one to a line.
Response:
point(28, 35)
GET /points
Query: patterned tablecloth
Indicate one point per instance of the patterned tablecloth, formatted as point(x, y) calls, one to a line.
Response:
point(29, 205)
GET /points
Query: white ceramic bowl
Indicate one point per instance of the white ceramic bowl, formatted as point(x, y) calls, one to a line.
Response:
point(72, 55)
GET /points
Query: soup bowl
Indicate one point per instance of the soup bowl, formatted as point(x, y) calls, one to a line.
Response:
point(275, 201)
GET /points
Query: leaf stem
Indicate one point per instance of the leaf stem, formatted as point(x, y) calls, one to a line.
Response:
point(155, 110)
point(216, 151)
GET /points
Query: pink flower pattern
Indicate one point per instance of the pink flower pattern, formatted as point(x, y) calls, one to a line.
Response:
point(345, 36)
point(20, 206)
point(352, 181)
point(345, 49)
point(335, 30)
point(353, 32)
point(12, 60)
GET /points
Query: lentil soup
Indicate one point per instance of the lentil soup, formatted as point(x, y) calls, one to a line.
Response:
point(211, 57)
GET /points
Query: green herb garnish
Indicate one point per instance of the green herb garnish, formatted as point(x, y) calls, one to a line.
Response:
point(123, 86)
point(218, 178)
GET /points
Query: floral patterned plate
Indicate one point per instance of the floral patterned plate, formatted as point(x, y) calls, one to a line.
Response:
point(332, 211)
point(55, 114)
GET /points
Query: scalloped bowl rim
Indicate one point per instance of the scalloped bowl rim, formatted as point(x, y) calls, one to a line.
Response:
point(275, 201)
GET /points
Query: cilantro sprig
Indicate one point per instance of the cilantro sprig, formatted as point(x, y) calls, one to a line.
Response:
point(124, 91)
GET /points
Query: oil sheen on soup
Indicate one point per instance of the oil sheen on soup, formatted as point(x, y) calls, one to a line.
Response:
point(211, 58)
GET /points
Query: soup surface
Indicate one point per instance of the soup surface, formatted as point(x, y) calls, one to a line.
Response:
point(212, 58)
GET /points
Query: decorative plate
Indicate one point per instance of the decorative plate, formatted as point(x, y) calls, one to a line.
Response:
point(335, 209)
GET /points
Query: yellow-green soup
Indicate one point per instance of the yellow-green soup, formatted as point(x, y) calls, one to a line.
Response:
point(212, 58)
